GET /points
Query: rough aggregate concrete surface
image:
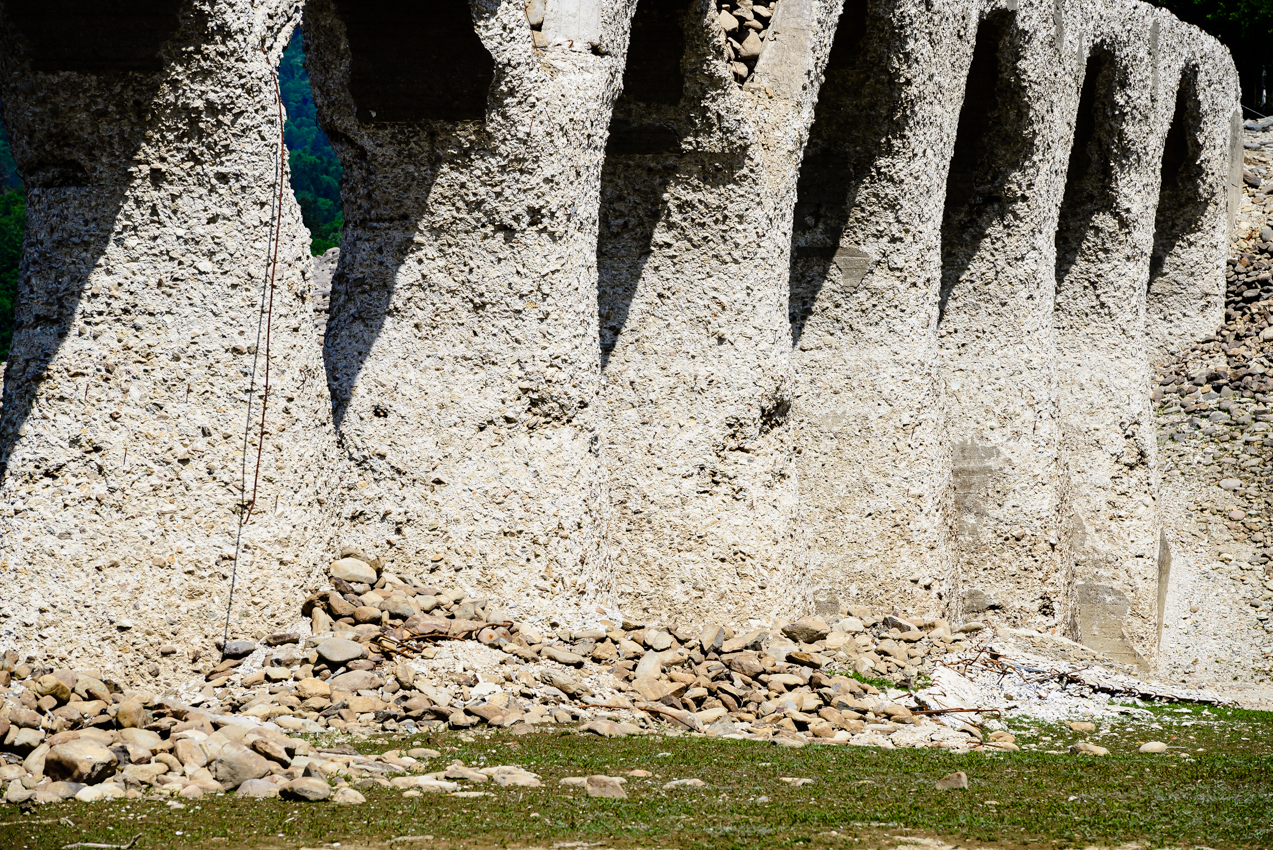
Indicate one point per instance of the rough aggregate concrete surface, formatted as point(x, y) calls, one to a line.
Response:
point(669, 311)
point(150, 199)
point(696, 344)
point(461, 348)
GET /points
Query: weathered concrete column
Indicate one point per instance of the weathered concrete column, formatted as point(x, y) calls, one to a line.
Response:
point(995, 313)
point(148, 143)
point(873, 462)
point(462, 345)
point(1123, 186)
point(1107, 426)
point(1198, 186)
point(694, 251)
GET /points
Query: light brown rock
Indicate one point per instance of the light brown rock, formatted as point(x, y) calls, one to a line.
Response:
point(82, 760)
point(609, 787)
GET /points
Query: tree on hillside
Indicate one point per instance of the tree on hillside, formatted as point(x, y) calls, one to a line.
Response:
point(1246, 28)
point(316, 171)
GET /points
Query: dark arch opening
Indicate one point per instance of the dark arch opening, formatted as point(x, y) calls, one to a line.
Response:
point(652, 77)
point(415, 62)
point(990, 146)
point(13, 220)
point(96, 36)
point(1181, 200)
point(1089, 178)
point(849, 125)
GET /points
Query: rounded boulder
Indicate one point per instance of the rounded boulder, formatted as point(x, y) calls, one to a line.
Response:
point(354, 571)
point(338, 652)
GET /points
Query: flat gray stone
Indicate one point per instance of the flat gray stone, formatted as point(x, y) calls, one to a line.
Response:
point(238, 649)
point(307, 789)
point(338, 652)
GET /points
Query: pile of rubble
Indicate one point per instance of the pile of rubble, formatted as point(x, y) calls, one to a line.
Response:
point(139, 745)
point(746, 27)
point(391, 655)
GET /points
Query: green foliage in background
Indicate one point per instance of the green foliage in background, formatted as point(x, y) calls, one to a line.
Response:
point(13, 219)
point(315, 168)
point(1246, 28)
point(1246, 17)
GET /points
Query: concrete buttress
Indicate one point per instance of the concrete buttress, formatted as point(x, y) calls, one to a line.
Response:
point(461, 347)
point(149, 143)
point(693, 254)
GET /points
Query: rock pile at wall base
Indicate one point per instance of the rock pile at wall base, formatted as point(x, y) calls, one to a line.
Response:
point(559, 365)
point(73, 735)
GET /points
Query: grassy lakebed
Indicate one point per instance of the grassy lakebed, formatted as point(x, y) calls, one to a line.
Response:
point(1213, 788)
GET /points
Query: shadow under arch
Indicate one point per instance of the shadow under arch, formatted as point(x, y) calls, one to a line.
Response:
point(645, 156)
point(417, 76)
point(1089, 178)
point(76, 174)
point(1182, 202)
point(990, 148)
point(851, 122)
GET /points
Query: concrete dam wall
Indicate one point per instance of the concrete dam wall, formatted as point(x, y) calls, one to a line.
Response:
point(689, 310)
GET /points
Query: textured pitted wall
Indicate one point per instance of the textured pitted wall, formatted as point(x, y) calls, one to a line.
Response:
point(994, 325)
point(873, 462)
point(871, 329)
point(1197, 186)
point(895, 458)
point(694, 254)
point(1114, 219)
point(148, 146)
point(462, 347)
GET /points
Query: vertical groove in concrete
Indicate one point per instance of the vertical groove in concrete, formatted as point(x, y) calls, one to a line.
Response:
point(1186, 292)
point(873, 464)
point(462, 347)
point(695, 235)
point(995, 320)
point(1107, 427)
point(148, 147)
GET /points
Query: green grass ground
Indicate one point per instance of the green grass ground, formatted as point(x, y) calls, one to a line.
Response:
point(1213, 789)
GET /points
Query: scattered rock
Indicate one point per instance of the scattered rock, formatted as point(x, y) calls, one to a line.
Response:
point(257, 788)
point(605, 786)
point(952, 781)
point(1083, 747)
point(354, 571)
point(808, 630)
point(306, 789)
point(337, 652)
point(238, 649)
point(1153, 747)
point(83, 760)
point(236, 764)
point(348, 797)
